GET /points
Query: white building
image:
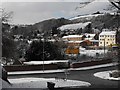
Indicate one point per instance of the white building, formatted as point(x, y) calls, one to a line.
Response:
point(107, 38)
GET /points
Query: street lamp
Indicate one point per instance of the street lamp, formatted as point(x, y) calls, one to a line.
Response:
point(104, 46)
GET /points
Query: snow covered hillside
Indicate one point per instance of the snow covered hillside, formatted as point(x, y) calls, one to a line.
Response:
point(88, 17)
point(95, 6)
point(74, 26)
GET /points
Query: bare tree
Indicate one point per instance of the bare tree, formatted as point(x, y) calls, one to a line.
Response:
point(5, 16)
point(115, 3)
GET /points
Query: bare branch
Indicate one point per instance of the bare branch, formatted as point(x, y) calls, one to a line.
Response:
point(115, 2)
point(5, 16)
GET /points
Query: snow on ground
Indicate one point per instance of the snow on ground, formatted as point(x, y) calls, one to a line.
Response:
point(45, 62)
point(105, 75)
point(74, 26)
point(4, 84)
point(0, 83)
point(97, 5)
point(94, 67)
point(61, 70)
point(35, 72)
point(89, 16)
point(42, 83)
point(83, 51)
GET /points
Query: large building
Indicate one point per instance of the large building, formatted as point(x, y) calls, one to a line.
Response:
point(107, 38)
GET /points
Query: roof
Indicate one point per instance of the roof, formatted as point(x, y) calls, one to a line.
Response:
point(75, 41)
point(88, 38)
point(72, 36)
point(88, 34)
point(94, 40)
point(108, 33)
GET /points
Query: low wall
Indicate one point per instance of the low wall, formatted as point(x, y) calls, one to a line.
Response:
point(53, 66)
point(90, 63)
point(30, 67)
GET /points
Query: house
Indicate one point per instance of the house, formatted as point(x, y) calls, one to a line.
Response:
point(85, 43)
point(73, 43)
point(72, 38)
point(89, 36)
point(107, 38)
point(89, 40)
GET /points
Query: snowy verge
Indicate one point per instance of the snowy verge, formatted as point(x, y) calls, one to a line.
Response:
point(96, 66)
point(62, 70)
point(105, 75)
point(42, 83)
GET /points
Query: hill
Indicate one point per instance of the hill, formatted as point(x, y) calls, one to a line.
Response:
point(43, 27)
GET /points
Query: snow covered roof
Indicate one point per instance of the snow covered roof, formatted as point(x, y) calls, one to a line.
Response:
point(88, 38)
point(94, 40)
point(72, 36)
point(75, 41)
point(108, 33)
point(74, 26)
point(88, 34)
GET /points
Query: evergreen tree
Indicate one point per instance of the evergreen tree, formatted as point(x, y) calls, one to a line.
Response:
point(40, 51)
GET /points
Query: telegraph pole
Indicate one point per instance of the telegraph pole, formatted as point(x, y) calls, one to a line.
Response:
point(43, 54)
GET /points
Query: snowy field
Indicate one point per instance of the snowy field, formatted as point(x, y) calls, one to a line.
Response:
point(42, 83)
point(105, 75)
point(74, 26)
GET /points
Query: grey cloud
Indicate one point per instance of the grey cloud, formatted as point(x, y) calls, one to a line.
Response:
point(36, 11)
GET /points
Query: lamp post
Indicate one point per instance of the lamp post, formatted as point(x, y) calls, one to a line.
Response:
point(104, 46)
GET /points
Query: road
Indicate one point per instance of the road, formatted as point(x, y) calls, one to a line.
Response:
point(86, 75)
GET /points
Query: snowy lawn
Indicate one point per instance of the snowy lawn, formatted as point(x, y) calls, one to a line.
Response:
point(105, 75)
point(42, 83)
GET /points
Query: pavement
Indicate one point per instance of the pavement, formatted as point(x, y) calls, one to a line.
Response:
point(81, 74)
point(106, 75)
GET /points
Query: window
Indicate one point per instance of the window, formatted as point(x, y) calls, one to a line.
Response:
point(100, 42)
point(101, 35)
point(106, 42)
point(108, 39)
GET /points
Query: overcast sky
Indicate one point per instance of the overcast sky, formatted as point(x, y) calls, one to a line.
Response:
point(33, 12)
